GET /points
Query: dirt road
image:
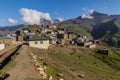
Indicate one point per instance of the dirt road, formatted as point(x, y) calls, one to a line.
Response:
point(24, 68)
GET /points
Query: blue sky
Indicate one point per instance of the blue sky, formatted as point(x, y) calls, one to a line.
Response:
point(56, 8)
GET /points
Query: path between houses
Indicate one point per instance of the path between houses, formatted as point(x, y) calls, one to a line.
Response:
point(24, 69)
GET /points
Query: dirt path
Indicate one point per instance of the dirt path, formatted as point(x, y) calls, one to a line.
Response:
point(24, 69)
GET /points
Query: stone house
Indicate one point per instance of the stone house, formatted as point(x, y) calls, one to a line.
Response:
point(2, 46)
point(61, 38)
point(61, 30)
point(51, 27)
point(71, 35)
point(91, 46)
point(5, 40)
point(19, 36)
point(39, 42)
point(103, 51)
point(53, 37)
point(85, 44)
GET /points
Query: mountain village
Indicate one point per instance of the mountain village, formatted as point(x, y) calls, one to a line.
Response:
point(33, 43)
point(60, 40)
point(44, 37)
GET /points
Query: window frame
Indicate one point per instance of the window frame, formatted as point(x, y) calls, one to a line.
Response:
point(35, 42)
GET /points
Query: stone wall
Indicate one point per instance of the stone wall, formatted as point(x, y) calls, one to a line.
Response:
point(39, 44)
point(2, 46)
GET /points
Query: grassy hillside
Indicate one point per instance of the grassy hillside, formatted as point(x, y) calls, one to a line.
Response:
point(102, 26)
point(77, 28)
point(109, 32)
point(32, 27)
point(81, 62)
point(84, 25)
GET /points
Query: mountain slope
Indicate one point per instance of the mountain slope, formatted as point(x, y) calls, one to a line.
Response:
point(84, 24)
point(72, 63)
point(99, 25)
point(11, 28)
point(109, 32)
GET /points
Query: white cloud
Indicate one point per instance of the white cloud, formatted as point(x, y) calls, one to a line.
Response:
point(13, 21)
point(60, 19)
point(88, 15)
point(91, 11)
point(84, 9)
point(31, 16)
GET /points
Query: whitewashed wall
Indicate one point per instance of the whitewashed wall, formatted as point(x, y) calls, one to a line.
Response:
point(44, 45)
point(2, 46)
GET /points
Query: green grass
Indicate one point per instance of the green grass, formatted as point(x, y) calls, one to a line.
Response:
point(112, 60)
point(106, 20)
point(117, 22)
point(86, 63)
point(32, 27)
point(80, 31)
point(97, 67)
point(51, 70)
point(8, 66)
point(112, 34)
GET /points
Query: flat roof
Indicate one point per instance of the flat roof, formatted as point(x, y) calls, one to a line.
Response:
point(39, 38)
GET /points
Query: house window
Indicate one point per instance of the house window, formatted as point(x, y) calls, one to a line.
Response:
point(36, 42)
point(41, 42)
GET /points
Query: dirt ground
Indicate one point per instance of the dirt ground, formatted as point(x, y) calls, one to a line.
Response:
point(24, 68)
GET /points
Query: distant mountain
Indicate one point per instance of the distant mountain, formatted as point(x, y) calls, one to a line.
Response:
point(97, 17)
point(45, 22)
point(98, 25)
point(11, 28)
point(84, 23)
point(93, 24)
point(88, 21)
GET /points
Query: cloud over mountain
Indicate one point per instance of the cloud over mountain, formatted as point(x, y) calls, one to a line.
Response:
point(60, 19)
point(30, 16)
point(13, 21)
point(88, 15)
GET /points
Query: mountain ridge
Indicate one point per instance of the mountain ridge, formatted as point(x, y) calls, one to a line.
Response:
point(98, 25)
